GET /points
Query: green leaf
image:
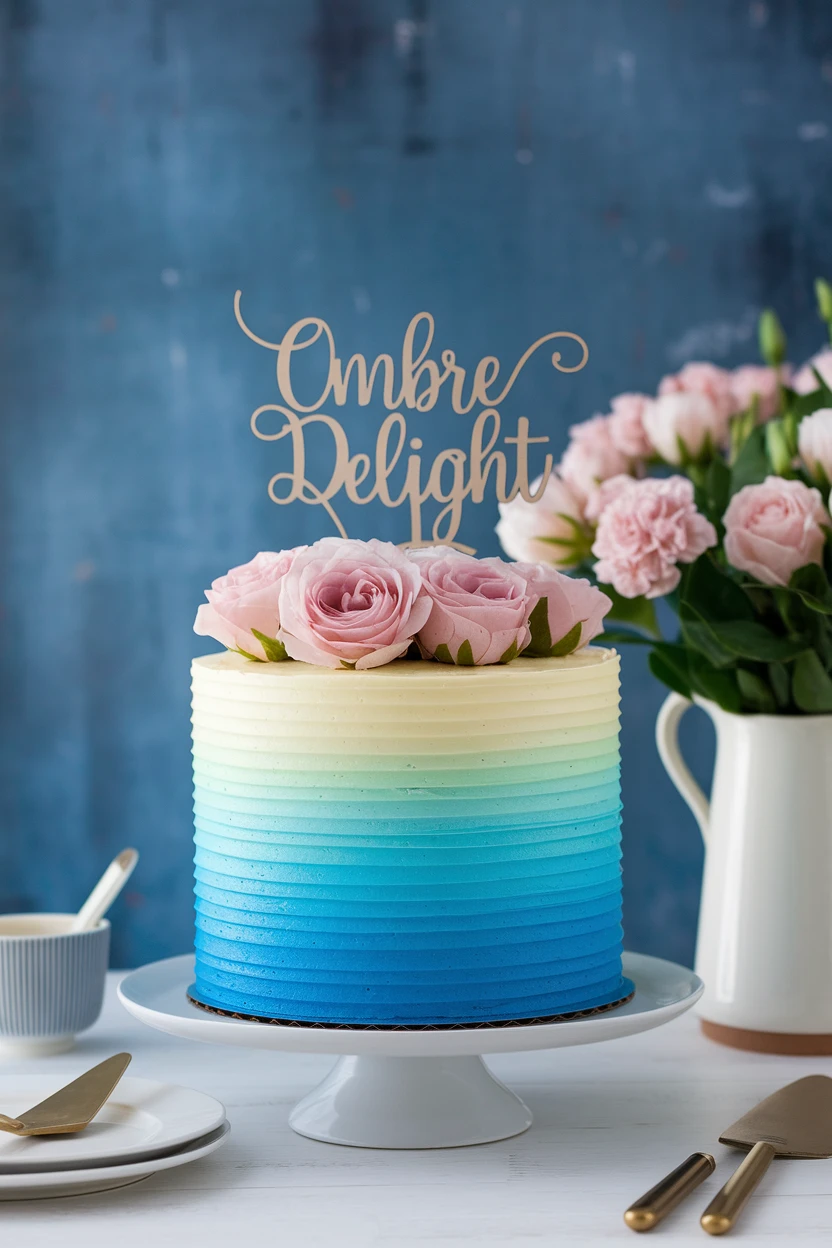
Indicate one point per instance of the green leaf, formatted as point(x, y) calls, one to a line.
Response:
point(639, 613)
point(800, 405)
point(252, 657)
point(755, 692)
point(508, 655)
point(822, 639)
point(716, 490)
point(751, 640)
point(275, 650)
point(700, 636)
point(349, 666)
point(568, 643)
point(623, 637)
point(540, 646)
point(751, 466)
point(465, 655)
point(793, 612)
point(442, 654)
point(781, 684)
point(825, 391)
point(712, 594)
point(669, 674)
point(812, 584)
point(717, 686)
point(811, 685)
point(741, 428)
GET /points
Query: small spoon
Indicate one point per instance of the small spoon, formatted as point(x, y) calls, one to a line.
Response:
point(105, 891)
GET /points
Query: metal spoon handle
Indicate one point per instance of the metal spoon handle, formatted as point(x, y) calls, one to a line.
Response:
point(726, 1206)
point(649, 1210)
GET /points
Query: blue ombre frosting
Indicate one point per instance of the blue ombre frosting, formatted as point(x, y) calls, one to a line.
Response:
point(414, 844)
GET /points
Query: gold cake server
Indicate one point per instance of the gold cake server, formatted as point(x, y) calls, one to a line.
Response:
point(73, 1107)
point(794, 1122)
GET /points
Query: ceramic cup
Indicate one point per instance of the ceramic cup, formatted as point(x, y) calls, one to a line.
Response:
point(51, 982)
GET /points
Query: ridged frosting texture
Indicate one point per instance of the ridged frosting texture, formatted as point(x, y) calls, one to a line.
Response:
point(415, 844)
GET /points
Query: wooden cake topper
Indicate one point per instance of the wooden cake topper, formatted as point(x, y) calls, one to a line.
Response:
point(455, 474)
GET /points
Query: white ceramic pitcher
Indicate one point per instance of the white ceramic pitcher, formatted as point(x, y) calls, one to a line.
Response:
point(764, 948)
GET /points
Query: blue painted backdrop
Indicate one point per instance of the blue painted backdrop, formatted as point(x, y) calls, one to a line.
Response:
point(647, 175)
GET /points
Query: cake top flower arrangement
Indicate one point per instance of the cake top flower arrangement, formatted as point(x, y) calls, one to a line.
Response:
point(344, 603)
point(713, 495)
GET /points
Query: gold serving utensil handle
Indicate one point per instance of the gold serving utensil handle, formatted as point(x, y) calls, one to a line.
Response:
point(10, 1124)
point(649, 1210)
point(728, 1203)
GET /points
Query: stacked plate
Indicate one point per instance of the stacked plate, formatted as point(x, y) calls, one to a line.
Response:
point(144, 1127)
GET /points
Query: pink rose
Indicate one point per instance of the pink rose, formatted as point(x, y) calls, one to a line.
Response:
point(480, 607)
point(773, 528)
point(245, 601)
point(590, 458)
point(712, 382)
point(626, 425)
point(814, 441)
point(568, 602)
point(688, 418)
point(805, 381)
point(645, 531)
point(755, 379)
point(539, 532)
point(347, 603)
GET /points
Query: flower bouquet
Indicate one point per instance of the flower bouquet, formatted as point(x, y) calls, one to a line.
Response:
point(714, 496)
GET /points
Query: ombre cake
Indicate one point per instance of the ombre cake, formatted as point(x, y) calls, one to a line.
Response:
point(410, 845)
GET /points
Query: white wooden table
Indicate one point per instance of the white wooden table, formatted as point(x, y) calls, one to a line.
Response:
point(610, 1119)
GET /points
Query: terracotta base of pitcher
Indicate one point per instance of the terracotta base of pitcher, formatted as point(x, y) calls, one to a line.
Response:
point(790, 1044)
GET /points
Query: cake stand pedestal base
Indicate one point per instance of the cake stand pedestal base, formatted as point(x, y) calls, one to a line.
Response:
point(410, 1102)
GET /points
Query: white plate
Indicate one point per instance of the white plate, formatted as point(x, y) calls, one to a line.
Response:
point(157, 995)
point(142, 1119)
point(41, 1185)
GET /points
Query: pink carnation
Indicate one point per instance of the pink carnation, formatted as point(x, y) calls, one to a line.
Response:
point(608, 491)
point(541, 531)
point(773, 528)
point(590, 458)
point(756, 379)
point(805, 381)
point(626, 425)
point(645, 531)
point(569, 600)
point(479, 601)
point(346, 603)
point(245, 600)
point(706, 379)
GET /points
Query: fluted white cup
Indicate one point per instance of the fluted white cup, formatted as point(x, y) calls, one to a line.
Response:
point(51, 982)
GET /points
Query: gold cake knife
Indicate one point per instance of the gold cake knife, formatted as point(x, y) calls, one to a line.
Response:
point(73, 1107)
point(651, 1208)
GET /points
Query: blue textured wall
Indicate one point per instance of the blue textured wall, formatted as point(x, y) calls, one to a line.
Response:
point(645, 174)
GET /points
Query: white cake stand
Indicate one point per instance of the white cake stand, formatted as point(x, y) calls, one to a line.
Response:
point(408, 1089)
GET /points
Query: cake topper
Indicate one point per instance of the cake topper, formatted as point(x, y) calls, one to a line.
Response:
point(456, 474)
